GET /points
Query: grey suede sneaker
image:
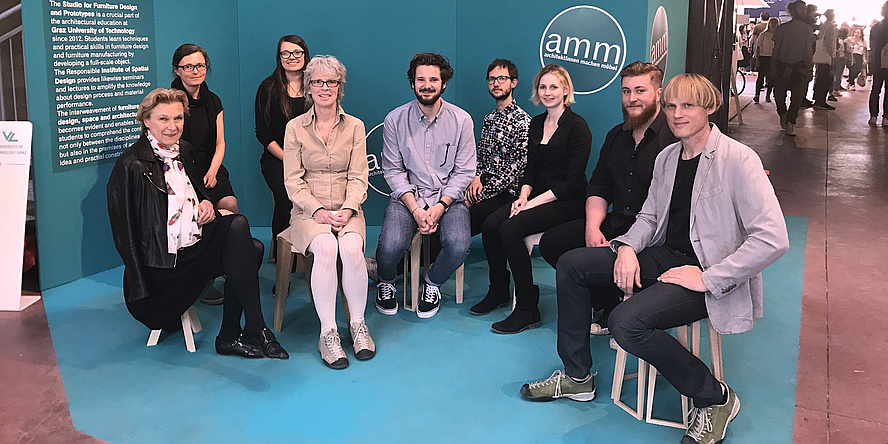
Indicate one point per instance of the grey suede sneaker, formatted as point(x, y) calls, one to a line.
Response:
point(331, 350)
point(365, 348)
point(708, 425)
point(559, 385)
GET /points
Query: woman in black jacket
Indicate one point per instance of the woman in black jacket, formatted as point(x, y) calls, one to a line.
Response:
point(171, 239)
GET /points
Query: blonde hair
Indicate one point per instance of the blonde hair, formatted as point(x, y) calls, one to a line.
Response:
point(156, 97)
point(563, 76)
point(692, 87)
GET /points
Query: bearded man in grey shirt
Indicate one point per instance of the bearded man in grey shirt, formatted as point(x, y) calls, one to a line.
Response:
point(428, 160)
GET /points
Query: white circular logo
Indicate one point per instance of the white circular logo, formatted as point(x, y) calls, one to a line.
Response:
point(589, 43)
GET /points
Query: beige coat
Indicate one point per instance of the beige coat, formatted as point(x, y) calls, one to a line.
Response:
point(332, 176)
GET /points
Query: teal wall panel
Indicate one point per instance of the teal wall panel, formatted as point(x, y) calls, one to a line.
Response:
point(375, 40)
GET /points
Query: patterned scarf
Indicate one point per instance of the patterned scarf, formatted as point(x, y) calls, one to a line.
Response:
point(182, 228)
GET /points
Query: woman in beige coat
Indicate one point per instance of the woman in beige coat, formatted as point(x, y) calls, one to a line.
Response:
point(325, 172)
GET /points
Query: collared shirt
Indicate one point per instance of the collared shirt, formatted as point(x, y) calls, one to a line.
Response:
point(428, 158)
point(502, 150)
point(623, 173)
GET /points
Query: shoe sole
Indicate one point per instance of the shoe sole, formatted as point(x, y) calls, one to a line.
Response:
point(426, 314)
point(526, 327)
point(479, 313)
point(596, 330)
point(364, 357)
point(580, 397)
point(334, 364)
point(387, 311)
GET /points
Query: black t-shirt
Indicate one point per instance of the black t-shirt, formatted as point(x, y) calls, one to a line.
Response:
point(678, 230)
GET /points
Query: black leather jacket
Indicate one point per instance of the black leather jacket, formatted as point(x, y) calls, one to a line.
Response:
point(137, 207)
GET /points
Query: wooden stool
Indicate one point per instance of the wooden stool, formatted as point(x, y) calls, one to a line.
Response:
point(283, 265)
point(190, 325)
point(648, 371)
point(411, 268)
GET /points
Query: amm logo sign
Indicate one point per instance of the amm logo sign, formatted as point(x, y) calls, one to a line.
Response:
point(660, 39)
point(589, 42)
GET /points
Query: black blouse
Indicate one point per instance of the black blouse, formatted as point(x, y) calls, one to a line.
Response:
point(273, 128)
point(559, 165)
point(200, 124)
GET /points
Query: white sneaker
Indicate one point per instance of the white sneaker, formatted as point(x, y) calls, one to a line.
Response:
point(365, 348)
point(331, 350)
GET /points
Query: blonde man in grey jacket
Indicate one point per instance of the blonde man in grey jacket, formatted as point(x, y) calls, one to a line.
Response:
point(710, 225)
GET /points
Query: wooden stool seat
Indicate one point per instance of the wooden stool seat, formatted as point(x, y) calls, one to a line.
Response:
point(648, 371)
point(190, 325)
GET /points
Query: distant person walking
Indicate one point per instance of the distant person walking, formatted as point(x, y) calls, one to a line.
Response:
point(878, 65)
point(792, 59)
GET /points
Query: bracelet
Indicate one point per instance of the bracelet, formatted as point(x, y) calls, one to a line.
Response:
point(444, 204)
point(414, 209)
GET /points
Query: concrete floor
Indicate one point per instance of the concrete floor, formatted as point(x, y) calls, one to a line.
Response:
point(834, 173)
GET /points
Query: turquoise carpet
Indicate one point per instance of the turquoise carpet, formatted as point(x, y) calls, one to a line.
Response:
point(448, 379)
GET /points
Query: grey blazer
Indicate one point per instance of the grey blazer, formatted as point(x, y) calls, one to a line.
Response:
point(737, 227)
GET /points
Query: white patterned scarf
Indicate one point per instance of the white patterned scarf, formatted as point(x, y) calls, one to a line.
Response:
point(182, 228)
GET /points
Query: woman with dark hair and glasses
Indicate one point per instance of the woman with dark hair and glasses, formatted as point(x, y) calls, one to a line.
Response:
point(171, 239)
point(280, 98)
point(203, 126)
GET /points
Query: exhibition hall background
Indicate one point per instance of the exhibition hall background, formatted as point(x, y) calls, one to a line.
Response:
point(375, 41)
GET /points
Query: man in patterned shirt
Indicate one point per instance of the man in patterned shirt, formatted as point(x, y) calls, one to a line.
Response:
point(502, 152)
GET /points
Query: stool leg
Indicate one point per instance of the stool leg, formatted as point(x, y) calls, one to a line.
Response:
point(186, 329)
point(154, 337)
point(460, 281)
point(195, 321)
point(415, 250)
point(283, 265)
point(715, 352)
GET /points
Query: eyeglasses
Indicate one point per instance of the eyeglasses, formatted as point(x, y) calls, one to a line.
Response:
point(190, 68)
point(291, 54)
point(320, 83)
point(499, 79)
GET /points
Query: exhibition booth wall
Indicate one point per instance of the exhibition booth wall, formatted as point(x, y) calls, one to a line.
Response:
point(78, 132)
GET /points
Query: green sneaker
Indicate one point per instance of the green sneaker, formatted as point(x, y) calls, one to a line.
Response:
point(559, 385)
point(708, 425)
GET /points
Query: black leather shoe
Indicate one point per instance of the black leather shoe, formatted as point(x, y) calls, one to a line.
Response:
point(238, 348)
point(490, 302)
point(268, 345)
point(517, 322)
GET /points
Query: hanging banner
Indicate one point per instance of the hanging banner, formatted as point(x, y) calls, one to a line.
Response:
point(101, 63)
point(15, 162)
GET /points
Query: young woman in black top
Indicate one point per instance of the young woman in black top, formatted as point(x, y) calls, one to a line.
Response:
point(203, 125)
point(279, 99)
point(552, 192)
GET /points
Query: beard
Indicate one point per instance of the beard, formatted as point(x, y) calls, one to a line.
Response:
point(636, 121)
point(427, 102)
point(502, 95)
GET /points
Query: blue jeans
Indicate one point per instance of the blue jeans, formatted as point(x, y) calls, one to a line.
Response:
point(398, 227)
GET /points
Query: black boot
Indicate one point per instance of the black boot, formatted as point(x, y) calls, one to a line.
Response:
point(494, 299)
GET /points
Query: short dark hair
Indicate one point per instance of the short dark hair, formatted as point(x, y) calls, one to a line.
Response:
point(186, 50)
point(639, 68)
point(503, 63)
point(765, 16)
point(430, 59)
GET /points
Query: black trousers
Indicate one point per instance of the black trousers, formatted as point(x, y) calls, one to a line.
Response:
point(503, 239)
point(585, 280)
point(823, 80)
point(225, 248)
point(792, 79)
point(764, 72)
point(273, 171)
point(570, 235)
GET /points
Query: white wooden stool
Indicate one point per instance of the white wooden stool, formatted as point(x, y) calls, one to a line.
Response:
point(190, 325)
point(421, 242)
point(648, 371)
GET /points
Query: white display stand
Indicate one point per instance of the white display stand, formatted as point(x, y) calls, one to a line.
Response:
point(15, 161)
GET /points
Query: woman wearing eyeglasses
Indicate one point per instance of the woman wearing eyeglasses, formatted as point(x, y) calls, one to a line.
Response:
point(203, 126)
point(325, 171)
point(279, 99)
point(552, 191)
